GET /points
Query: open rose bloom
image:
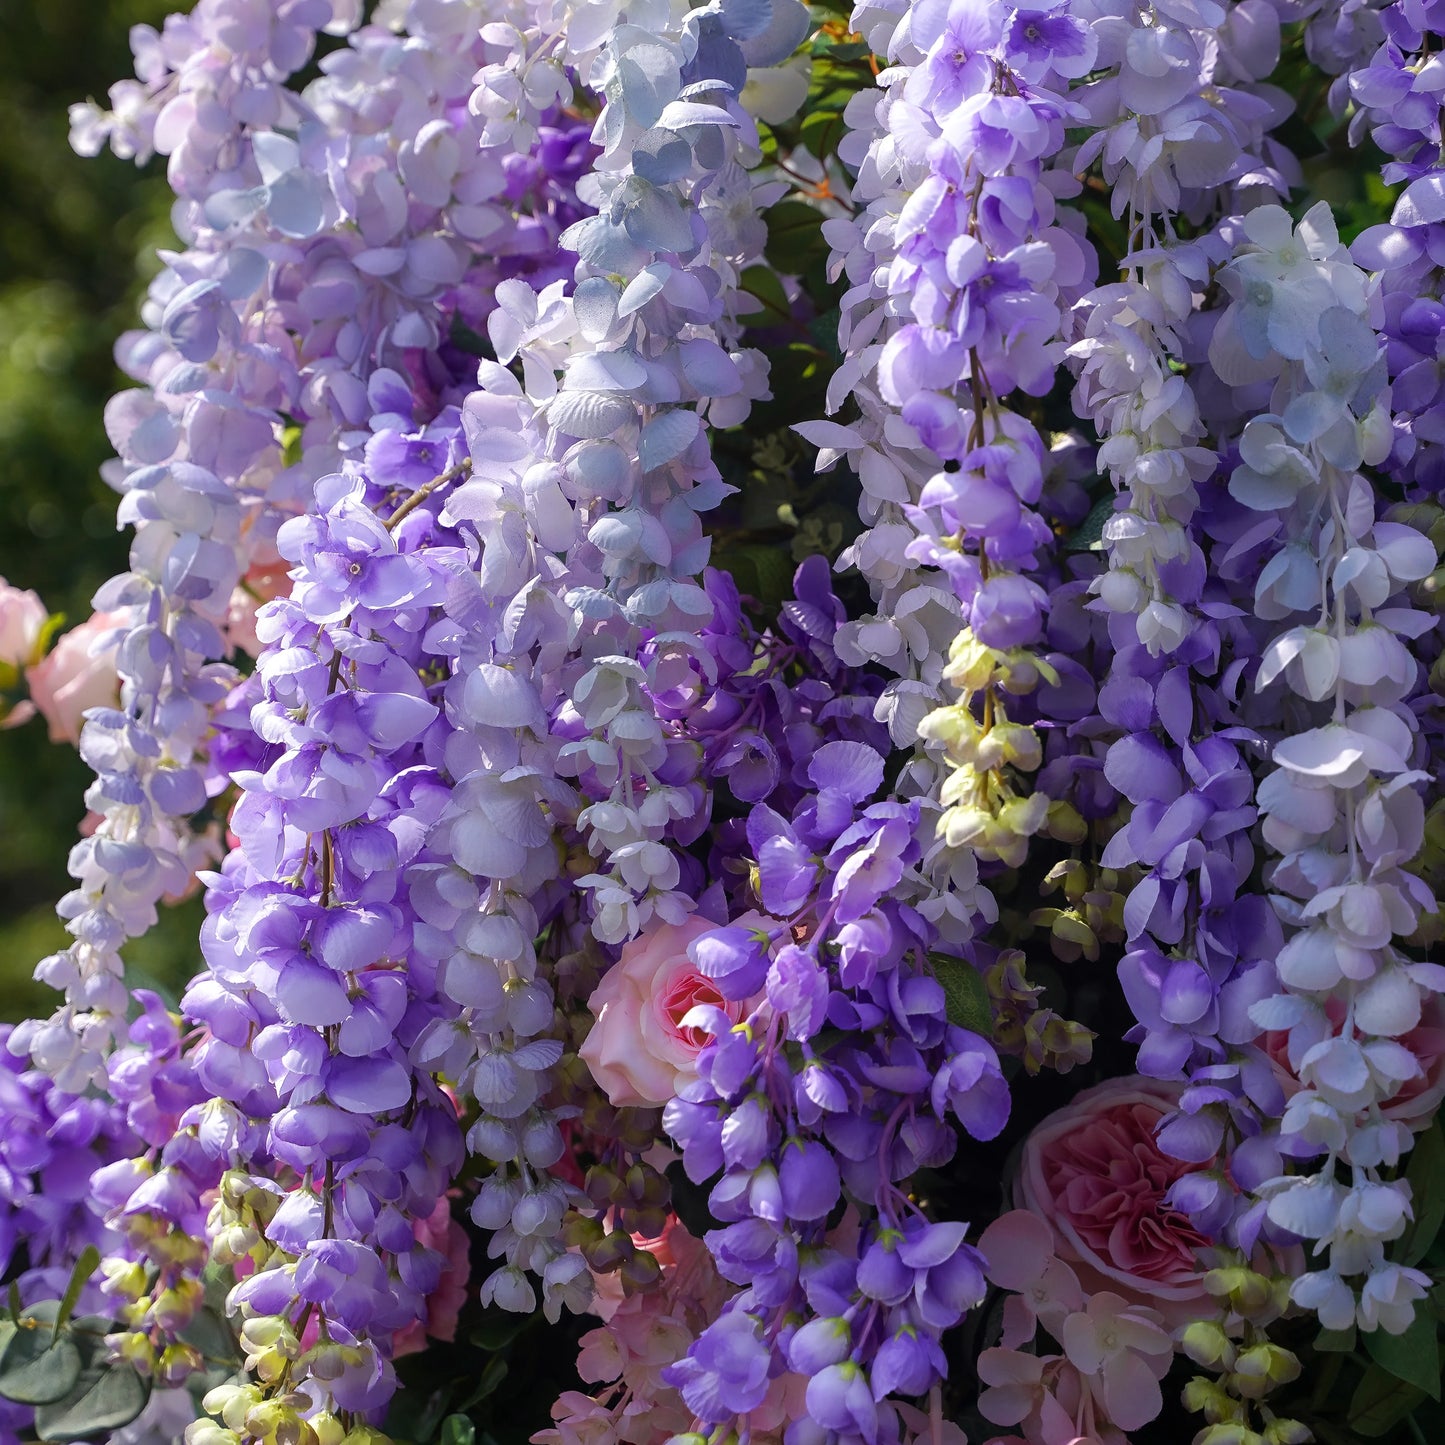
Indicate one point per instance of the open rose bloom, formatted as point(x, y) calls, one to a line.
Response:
point(640, 1051)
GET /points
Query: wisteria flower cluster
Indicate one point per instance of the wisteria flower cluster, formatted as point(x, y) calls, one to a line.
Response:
point(696, 952)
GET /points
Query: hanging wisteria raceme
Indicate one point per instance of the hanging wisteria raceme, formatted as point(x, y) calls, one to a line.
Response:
point(583, 512)
point(313, 259)
point(1341, 804)
point(982, 267)
point(1179, 120)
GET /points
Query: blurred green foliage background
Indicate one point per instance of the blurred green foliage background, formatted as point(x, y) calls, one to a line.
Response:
point(77, 242)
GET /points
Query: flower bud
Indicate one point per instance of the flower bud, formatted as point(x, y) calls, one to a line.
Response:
point(178, 1362)
point(1210, 1399)
point(1287, 1432)
point(1206, 1343)
point(1261, 1368)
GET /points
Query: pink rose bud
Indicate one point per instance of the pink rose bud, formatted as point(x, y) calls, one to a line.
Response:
point(73, 677)
point(22, 620)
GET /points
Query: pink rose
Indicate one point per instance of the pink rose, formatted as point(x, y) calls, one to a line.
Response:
point(638, 1050)
point(22, 619)
point(1094, 1174)
point(72, 678)
point(1418, 1099)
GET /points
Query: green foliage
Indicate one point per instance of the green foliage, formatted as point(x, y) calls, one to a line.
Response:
point(965, 994)
point(61, 1366)
point(1413, 1356)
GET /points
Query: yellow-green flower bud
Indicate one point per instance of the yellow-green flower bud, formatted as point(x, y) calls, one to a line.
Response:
point(1209, 1398)
point(1261, 1368)
point(1206, 1343)
point(1287, 1432)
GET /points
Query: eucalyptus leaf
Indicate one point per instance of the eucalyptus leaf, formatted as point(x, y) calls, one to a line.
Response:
point(965, 994)
point(1413, 1356)
point(104, 1397)
point(34, 1370)
point(1380, 1402)
point(1336, 1342)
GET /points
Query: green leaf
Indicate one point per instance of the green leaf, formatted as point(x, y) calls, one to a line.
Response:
point(36, 1369)
point(1426, 1175)
point(965, 994)
point(1381, 1401)
point(762, 282)
point(498, 1328)
point(1088, 536)
point(492, 1377)
point(85, 1266)
point(795, 236)
point(821, 132)
point(1413, 1356)
point(457, 1430)
point(1335, 1342)
point(103, 1398)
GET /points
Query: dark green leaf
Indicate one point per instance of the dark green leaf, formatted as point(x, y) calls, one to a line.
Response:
point(492, 1377)
point(472, 342)
point(762, 282)
point(85, 1266)
point(33, 1370)
point(1427, 1191)
point(795, 236)
point(1335, 1342)
point(498, 1328)
point(1088, 536)
point(1413, 1356)
point(965, 994)
point(104, 1398)
point(822, 130)
point(457, 1430)
point(1381, 1401)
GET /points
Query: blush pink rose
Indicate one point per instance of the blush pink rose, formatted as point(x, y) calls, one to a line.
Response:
point(22, 619)
point(72, 677)
point(1095, 1175)
point(638, 1050)
point(1418, 1100)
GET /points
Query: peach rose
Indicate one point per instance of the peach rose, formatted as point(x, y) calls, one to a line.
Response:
point(1095, 1175)
point(72, 677)
point(638, 1049)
